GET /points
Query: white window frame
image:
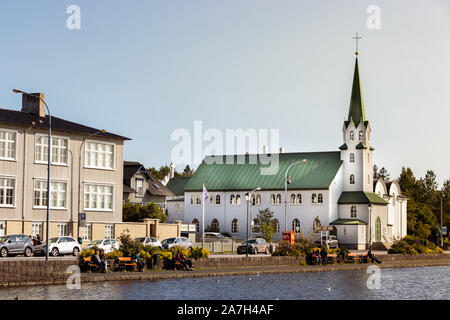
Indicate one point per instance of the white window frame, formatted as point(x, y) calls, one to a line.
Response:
point(235, 226)
point(7, 142)
point(37, 225)
point(89, 184)
point(43, 194)
point(109, 231)
point(38, 142)
point(86, 232)
point(139, 194)
point(4, 187)
point(86, 150)
point(63, 226)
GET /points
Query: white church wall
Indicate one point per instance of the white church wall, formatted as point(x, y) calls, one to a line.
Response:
point(336, 189)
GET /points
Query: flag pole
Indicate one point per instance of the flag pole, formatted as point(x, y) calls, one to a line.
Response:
point(203, 219)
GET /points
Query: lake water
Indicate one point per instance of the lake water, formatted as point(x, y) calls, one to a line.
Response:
point(408, 283)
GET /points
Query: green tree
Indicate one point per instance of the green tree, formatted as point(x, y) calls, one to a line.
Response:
point(380, 174)
point(265, 224)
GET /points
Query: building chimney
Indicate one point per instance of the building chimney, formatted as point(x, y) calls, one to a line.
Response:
point(33, 105)
point(172, 170)
point(281, 150)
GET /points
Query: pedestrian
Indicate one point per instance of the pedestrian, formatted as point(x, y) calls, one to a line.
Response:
point(185, 262)
point(324, 255)
point(103, 259)
point(38, 239)
point(372, 257)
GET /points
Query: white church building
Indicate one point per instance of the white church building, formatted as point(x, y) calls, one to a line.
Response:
point(336, 187)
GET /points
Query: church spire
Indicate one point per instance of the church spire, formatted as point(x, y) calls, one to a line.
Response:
point(356, 110)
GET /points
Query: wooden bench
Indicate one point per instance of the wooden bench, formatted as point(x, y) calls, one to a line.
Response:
point(333, 258)
point(125, 263)
point(353, 257)
point(88, 265)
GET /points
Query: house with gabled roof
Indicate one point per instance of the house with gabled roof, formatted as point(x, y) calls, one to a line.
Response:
point(335, 189)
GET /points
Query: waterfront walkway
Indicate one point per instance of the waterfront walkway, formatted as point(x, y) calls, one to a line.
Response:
point(154, 275)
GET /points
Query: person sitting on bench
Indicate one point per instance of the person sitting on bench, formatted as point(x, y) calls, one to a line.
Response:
point(96, 260)
point(139, 263)
point(184, 262)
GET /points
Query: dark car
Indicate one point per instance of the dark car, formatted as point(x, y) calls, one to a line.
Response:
point(16, 244)
point(254, 246)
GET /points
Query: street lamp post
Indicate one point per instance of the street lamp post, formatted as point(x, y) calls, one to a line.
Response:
point(248, 196)
point(48, 165)
point(79, 177)
point(287, 180)
point(442, 198)
point(369, 207)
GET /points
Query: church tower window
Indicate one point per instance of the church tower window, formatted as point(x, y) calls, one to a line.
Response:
point(314, 198)
point(320, 198)
point(352, 179)
point(352, 157)
point(352, 136)
point(353, 212)
point(361, 135)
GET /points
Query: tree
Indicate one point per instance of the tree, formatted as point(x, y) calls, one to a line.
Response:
point(265, 224)
point(381, 174)
point(137, 212)
point(188, 172)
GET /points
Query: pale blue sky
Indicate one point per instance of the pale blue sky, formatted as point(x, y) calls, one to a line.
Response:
point(143, 68)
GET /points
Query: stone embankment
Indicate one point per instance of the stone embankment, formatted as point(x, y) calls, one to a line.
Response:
point(39, 272)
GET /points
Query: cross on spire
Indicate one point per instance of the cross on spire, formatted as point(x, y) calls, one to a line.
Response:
point(357, 37)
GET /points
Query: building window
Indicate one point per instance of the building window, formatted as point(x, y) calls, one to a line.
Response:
point(99, 155)
point(293, 198)
point(296, 199)
point(7, 192)
point(353, 212)
point(299, 198)
point(296, 225)
point(62, 229)
point(177, 208)
point(198, 200)
point(361, 135)
point(276, 225)
point(8, 145)
point(272, 199)
point(314, 198)
point(217, 199)
point(215, 225)
point(345, 231)
point(352, 136)
point(352, 179)
point(320, 198)
point(192, 199)
point(368, 179)
point(235, 226)
point(368, 158)
point(352, 157)
point(36, 229)
point(58, 194)
point(86, 232)
point(109, 231)
point(258, 199)
point(278, 199)
point(98, 197)
point(238, 199)
point(139, 187)
point(211, 199)
point(59, 149)
point(197, 225)
point(232, 199)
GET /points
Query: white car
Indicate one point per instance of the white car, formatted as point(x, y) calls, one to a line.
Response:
point(107, 245)
point(60, 246)
point(177, 242)
point(149, 241)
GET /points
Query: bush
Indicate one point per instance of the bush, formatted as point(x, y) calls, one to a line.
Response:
point(286, 249)
point(197, 253)
point(114, 254)
point(128, 245)
point(413, 245)
point(86, 253)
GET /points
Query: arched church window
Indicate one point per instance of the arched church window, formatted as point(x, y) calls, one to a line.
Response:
point(218, 199)
point(352, 179)
point(361, 135)
point(276, 225)
point(299, 198)
point(314, 198)
point(272, 199)
point(278, 198)
point(232, 199)
point(211, 199)
point(292, 198)
point(238, 199)
point(352, 157)
point(199, 201)
point(352, 136)
point(320, 198)
point(353, 211)
point(258, 199)
point(215, 225)
point(192, 199)
point(235, 226)
point(296, 225)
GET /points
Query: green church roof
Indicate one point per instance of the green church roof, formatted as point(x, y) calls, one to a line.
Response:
point(176, 185)
point(348, 222)
point(317, 173)
point(356, 111)
point(360, 197)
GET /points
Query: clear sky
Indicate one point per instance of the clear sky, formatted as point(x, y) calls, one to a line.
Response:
point(144, 68)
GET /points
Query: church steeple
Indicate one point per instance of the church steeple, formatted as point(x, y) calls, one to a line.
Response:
point(356, 111)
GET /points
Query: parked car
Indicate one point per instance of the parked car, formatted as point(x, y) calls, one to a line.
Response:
point(107, 245)
point(16, 244)
point(330, 242)
point(60, 246)
point(254, 246)
point(177, 242)
point(215, 236)
point(149, 241)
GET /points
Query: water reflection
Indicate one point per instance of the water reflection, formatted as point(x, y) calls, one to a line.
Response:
point(413, 283)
